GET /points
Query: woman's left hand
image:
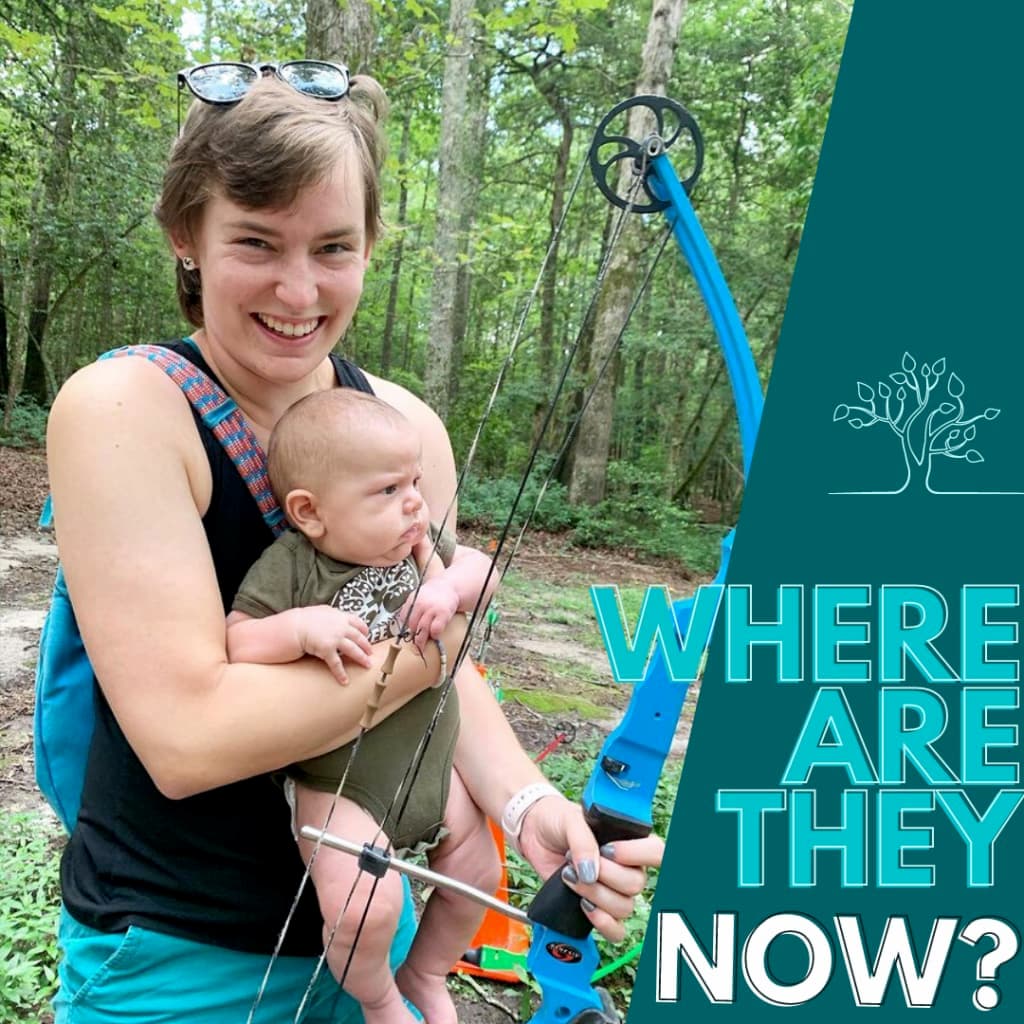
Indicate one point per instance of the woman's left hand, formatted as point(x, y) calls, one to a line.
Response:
point(555, 837)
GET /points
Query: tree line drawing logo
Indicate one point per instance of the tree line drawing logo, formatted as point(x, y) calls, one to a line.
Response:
point(929, 422)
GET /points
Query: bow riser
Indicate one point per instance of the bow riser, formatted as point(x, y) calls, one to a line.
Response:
point(619, 796)
point(562, 966)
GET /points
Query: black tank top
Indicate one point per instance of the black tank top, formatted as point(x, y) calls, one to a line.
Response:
point(220, 867)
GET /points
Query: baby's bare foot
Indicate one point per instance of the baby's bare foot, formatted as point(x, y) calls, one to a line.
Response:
point(428, 993)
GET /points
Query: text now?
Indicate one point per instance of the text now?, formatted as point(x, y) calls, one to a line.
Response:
point(869, 971)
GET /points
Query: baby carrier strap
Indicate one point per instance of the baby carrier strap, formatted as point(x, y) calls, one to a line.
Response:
point(223, 418)
point(64, 713)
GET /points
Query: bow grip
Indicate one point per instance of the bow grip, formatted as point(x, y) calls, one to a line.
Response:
point(556, 906)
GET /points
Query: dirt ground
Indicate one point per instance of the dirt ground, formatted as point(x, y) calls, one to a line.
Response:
point(28, 558)
point(529, 650)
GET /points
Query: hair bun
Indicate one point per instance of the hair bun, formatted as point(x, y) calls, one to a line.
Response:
point(370, 95)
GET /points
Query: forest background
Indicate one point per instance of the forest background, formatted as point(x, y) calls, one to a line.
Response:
point(493, 107)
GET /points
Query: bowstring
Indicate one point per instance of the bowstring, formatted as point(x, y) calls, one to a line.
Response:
point(480, 605)
point(588, 398)
point(535, 449)
point(364, 727)
point(416, 762)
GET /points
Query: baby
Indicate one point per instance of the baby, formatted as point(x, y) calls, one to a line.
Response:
point(345, 467)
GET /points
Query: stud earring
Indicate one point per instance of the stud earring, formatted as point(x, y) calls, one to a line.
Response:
point(188, 263)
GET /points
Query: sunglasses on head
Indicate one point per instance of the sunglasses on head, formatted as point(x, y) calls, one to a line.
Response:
point(227, 82)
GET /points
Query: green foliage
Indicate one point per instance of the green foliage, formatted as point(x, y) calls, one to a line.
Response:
point(757, 75)
point(410, 381)
point(548, 20)
point(569, 770)
point(29, 894)
point(568, 604)
point(28, 425)
point(636, 516)
point(549, 703)
point(487, 503)
point(252, 30)
point(88, 111)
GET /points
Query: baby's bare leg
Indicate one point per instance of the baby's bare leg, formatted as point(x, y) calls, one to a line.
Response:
point(450, 921)
point(367, 978)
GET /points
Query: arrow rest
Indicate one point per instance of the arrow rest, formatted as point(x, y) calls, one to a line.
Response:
point(664, 112)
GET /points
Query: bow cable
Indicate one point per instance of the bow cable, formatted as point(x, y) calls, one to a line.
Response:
point(578, 418)
point(552, 931)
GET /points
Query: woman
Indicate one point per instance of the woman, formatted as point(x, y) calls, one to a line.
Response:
point(181, 868)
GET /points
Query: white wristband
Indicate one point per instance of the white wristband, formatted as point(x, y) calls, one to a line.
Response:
point(515, 810)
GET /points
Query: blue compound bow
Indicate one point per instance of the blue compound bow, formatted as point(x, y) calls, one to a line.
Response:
point(619, 797)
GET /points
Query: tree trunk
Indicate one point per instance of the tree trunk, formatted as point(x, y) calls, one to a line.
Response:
point(208, 14)
point(387, 341)
point(449, 240)
point(20, 338)
point(588, 472)
point(3, 328)
point(477, 108)
point(38, 380)
point(414, 280)
point(549, 283)
point(40, 264)
point(341, 30)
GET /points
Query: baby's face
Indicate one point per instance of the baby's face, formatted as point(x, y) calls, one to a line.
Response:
point(373, 512)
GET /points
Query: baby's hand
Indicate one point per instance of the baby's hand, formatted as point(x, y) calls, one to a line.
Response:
point(434, 607)
point(331, 634)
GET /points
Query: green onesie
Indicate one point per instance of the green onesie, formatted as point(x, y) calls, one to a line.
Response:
point(291, 573)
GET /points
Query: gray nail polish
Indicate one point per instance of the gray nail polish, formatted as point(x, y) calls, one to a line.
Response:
point(608, 850)
point(569, 875)
point(587, 905)
point(588, 871)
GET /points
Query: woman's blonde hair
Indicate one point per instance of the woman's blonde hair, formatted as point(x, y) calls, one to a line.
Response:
point(262, 152)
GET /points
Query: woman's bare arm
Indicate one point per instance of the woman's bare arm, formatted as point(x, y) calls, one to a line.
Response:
point(488, 755)
point(130, 482)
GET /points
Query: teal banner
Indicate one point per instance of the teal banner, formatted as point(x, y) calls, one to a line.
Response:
point(848, 839)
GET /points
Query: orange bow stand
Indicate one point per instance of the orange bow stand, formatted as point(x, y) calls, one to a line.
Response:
point(500, 944)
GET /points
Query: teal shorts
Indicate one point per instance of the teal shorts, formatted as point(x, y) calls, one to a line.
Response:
point(144, 977)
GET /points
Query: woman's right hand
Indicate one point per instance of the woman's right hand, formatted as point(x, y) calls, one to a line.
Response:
point(556, 837)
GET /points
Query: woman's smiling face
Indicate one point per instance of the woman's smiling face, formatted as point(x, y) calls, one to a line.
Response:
point(280, 287)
